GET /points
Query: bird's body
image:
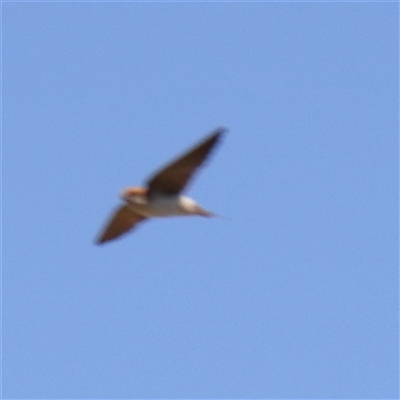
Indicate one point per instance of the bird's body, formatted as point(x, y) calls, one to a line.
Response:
point(162, 197)
point(161, 204)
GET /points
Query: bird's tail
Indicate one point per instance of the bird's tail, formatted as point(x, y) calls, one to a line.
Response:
point(205, 213)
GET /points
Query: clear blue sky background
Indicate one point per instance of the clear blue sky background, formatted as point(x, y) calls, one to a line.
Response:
point(295, 293)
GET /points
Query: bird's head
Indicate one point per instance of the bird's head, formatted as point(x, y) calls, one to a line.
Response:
point(134, 195)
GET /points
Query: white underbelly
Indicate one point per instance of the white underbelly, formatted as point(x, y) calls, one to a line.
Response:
point(164, 206)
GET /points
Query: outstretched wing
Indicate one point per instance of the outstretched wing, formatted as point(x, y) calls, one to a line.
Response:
point(175, 176)
point(122, 221)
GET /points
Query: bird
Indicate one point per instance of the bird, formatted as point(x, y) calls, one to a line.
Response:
point(162, 195)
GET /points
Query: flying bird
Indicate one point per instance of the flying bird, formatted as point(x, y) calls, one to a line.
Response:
point(162, 197)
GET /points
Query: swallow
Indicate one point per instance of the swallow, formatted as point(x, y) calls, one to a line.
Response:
point(162, 195)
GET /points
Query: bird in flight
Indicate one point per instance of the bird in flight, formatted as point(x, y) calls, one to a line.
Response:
point(162, 197)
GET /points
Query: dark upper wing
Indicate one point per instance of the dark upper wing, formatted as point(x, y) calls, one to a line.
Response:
point(176, 175)
point(122, 221)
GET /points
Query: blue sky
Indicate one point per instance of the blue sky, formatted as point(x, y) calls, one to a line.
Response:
point(295, 293)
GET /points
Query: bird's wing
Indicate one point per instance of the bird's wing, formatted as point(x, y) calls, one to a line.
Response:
point(175, 176)
point(122, 221)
